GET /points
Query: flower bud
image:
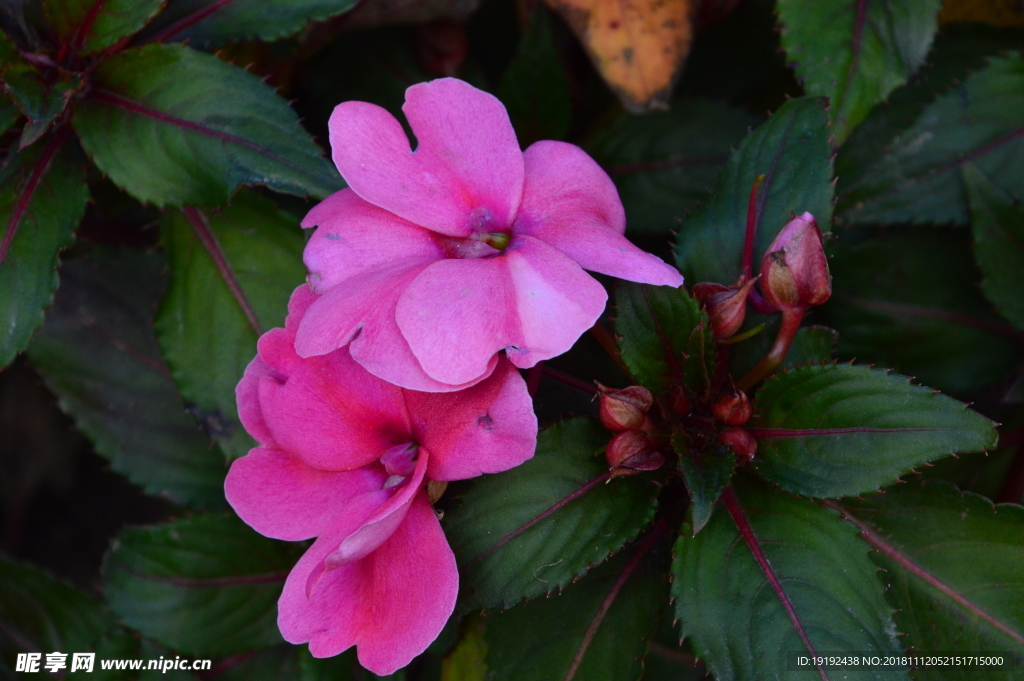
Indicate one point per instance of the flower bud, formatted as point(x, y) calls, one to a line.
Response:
point(633, 449)
point(794, 270)
point(625, 409)
point(739, 441)
point(732, 410)
point(679, 402)
point(726, 305)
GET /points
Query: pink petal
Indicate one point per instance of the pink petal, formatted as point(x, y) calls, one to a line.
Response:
point(466, 173)
point(488, 428)
point(283, 498)
point(363, 312)
point(457, 313)
point(302, 297)
point(332, 413)
point(391, 604)
point(355, 237)
point(247, 398)
point(571, 204)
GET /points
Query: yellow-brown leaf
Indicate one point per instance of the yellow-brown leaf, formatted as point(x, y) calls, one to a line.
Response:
point(638, 46)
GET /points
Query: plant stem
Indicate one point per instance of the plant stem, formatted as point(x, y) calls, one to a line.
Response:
point(607, 342)
point(751, 234)
point(790, 325)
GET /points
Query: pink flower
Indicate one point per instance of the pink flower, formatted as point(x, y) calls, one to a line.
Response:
point(345, 457)
point(435, 260)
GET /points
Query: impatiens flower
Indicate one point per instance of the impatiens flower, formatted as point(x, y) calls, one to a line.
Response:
point(434, 260)
point(345, 457)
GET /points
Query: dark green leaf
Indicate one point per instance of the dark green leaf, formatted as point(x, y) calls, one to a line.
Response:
point(908, 299)
point(536, 528)
point(958, 50)
point(791, 150)
point(855, 52)
point(998, 225)
point(665, 164)
point(535, 88)
point(664, 337)
point(40, 99)
point(231, 276)
point(838, 430)
point(954, 566)
point(93, 25)
point(810, 344)
point(175, 126)
point(705, 473)
point(735, 620)
point(98, 353)
point(917, 177)
point(215, 22)
point(597, 629)
point(42, 198)
point(203, 586)
point(9, 113)
point(42, 614)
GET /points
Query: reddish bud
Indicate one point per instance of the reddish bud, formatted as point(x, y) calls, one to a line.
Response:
point(732, 410)
point(624, 409)
point(633, 449)
point(794, 270)
point(739, 441)
point(679, 402)
point(726, 305)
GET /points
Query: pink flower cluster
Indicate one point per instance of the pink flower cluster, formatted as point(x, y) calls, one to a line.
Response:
point(435, 275)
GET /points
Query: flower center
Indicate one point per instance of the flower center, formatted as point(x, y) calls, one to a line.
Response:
point(400, 463)
point(476, 245)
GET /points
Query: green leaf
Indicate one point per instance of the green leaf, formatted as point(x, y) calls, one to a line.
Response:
point(468, 660)
point(953, 562)
point(706, 474)
point(664, 337)
point(175, 126)
point(204, 586)
point(231, 276)
point(736, 621)
point(93, 25)
point(839, 430)
point(294, 663)
point(917, 178)
point(998, 225)
point(9, 113)
point(42, 198)
point(908, 299)
point(791, 150)
point(215, 22)
point(538, 527)
point(855, 52)
point(39, 98)
point(810, 344)
point(535, 88)
point(42, 614)
point(99, 355)
point(665, 164)
point(597, 629)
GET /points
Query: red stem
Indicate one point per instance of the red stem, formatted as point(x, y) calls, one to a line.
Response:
point(732, 504)
point(533, 378)
point(609, 599)
point(791, 319)
point(607, 342)
point(577, 383)
point(209, 241)
point(186, 21)
point(877, 542)
point(30, 187)
point(751, 234)
point(83, 31)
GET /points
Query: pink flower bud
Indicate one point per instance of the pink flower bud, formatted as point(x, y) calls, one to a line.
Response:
point(633, 449)
point(732, 410)
point(739, 441)
point(726, 305)
point(625, 409)
point(794, 270)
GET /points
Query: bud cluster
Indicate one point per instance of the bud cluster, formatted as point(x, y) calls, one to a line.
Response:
point(624, 412)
